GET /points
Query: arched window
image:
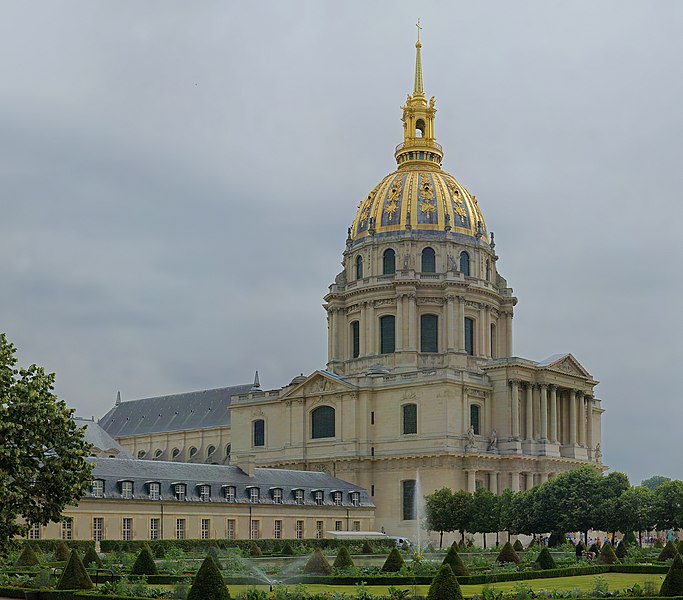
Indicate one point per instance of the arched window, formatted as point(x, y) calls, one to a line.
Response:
point(322, 422)
point(409, 418)
point(475, 421)
point(429, 333)
point(228, 450)
point(141, 453)
point(465, 263)
point(355, 339)
point(428, 260)
point(359, 267)
point(175, 453)
point(193, 452)
point(420, 128)
point(210, 450)
point(157, 453)
point(259, 438)
point(389, 262)
point(387, 333)
point(469, 336)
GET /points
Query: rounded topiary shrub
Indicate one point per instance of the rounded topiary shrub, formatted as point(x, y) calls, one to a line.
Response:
point(62, 552)
point(254, 549)
point(556, 539)
point(620, 550)
point(74, 576)
point(27, 558)
point(367, 548)
point(444, 585)
point(607, 555)
point(508, 554)
point(393, 563)
point(317, 564)
point(669, 551)
point(91, 558)
point(144, 563)
point(343, 559)
point(288, 550)
point(518, 546)
point(545, 561)
point(453, 559)
point(208, 583)
point(673, 583)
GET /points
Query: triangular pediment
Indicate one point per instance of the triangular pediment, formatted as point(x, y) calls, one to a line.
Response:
point(564, 363)
point(319, 383)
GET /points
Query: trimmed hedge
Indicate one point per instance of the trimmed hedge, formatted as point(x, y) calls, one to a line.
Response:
point(317, 564)
point(445, 585)
point(62, 552)
point(343, 559)
point(453, 559)
point(517, 546)
point(393, 563)
point(27, 558)
point(673, 583)
point(607, 555)
point(545, 561)
point(669, 551)
point(208, 583)
point(91, 557)
point(74, 576)
point(144, 563)
point(508, 554)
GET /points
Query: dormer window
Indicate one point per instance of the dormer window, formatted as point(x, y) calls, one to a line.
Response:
point(204, 492)
point(299, 496)
point(277, 496)
point(98, 488)
point(179, 491)
point(127, 489)
point(230, 493)
point(254, 494)
point(337, 498)
point(355, 498)
point(318, 497)
point(154, 490)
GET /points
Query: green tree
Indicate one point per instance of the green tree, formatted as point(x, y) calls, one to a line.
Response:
point(654, 482)
point(42, 466)
point(484, 516)
point(634, 511)
point(462, 512)
point(668, 505)
point(506, 515)
point(440, 512)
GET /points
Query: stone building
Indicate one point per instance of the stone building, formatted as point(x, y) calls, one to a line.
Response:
point(421, 389)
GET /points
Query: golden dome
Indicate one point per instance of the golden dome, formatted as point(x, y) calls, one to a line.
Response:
point(418, 196)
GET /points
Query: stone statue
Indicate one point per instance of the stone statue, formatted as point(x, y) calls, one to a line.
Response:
point(470, 438)
point(451, 263)
point(407, 261)
point(493, 440)
point(598, 453)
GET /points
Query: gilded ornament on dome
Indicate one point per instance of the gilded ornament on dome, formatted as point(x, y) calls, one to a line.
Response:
point(460, 211)
point(393, 197)
point(454, 190)
point(391, 208)
point(426, 192)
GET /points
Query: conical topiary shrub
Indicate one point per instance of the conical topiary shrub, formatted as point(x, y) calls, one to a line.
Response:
point(27, 558)
point(394, 562)
point(367, 548)
point(545, 561)
point(630, 538)
point(658, 544)
point(62, 552)
point(669, 551)
point(208, 583)
point(594, 549)
point(607, 555)
point(620, 550)
point(91, 557)
point(508, 554)
point(317, 564)
point(532, 543)
point(288, 550)
point(556, 539)
point(144, 563)
point(462, 546)
point(518, 546)
point(343, 559)
point(673, 583)
point(254, 549)
point(453, 559)
point(444, 585)
point(214, 552)
point(74, 576)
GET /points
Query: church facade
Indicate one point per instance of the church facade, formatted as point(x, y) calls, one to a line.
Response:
point(421, 388)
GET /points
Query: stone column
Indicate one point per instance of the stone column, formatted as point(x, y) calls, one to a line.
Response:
point(330, 336)
point(481, 338)
point(471, 480)
point(363, 330)
point(529, 433)
point(412, 325)
point(514, 481)
point(334, 330)
point(508, 333)
point(582, 419)
point(493, 482)
point(553, 414)
point(371, 347)
point(514, 401)
point(589, 425)
point(461, 324)
point(544, 412)
point(399, 323)
point(451, 323)
point(572, 417)
point(543, 477)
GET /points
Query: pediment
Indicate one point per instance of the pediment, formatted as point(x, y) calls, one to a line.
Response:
point(565, 363)
point(319, 383)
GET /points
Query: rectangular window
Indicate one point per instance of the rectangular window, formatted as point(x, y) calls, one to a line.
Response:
point(154, 524)
point(180, 491)
point(299, 530)
point(277, 496)
point(206, 529)
point(474, 418)
point(408, 499)
point(299, 496)
point(154, 491)
point(230, 494)
point(469, 336)
point(127, 529)
point(259, 433)
point(180, 529)
point(98, 488)
point(230, 531)
point(254, 494)
point(409, 419)
point(387, 332)
point(319, 526)
point(318, 497)
point(337, 498)
point(355, 339)
point(127, 489)
point(429, 333)
point(67, 530)
point(277, 530)
point(356, 525)
point(34, 532)
point(204, 493)
point(255, 529)
point(337, 525)
point(355, 498)
point(98, 529)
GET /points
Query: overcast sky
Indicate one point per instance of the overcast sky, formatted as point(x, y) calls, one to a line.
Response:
point(177, 179)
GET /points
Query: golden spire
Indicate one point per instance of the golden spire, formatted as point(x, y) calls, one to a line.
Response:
point(417, 88)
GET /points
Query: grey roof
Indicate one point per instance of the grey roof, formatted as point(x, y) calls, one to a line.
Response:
point(141, 472)
point(178, 412)
point(551, 359)
point(99, 438)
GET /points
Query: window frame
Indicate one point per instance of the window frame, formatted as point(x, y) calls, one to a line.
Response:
point(404, 422)
point(355, 339)
point(278, 496)
point(97, 488)
point(408, 491)
point(389, 262)
point(154, 490)
point(387, 343)
point(230, 493)
point(428, 259)
point(258, 438)
point(465, 263)
point(180, 491)
point(429, 326)
point(359, 267)
point(475, 423)
point(320, 424)
point(204, 493)
point(127, 490)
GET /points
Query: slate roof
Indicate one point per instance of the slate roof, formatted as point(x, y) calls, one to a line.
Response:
point(99, 438)
point(551, 359)
point(141, 472)
point(177, 412)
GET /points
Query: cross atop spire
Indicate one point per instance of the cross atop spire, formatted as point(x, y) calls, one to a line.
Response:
point(417, 88)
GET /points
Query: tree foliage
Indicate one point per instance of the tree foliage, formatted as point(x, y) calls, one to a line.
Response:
point(440, 512)
point(208, 583)
point(654, 482)
point(42, 466)
point(444, 585)
point(668, 505)
point(484, 517)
